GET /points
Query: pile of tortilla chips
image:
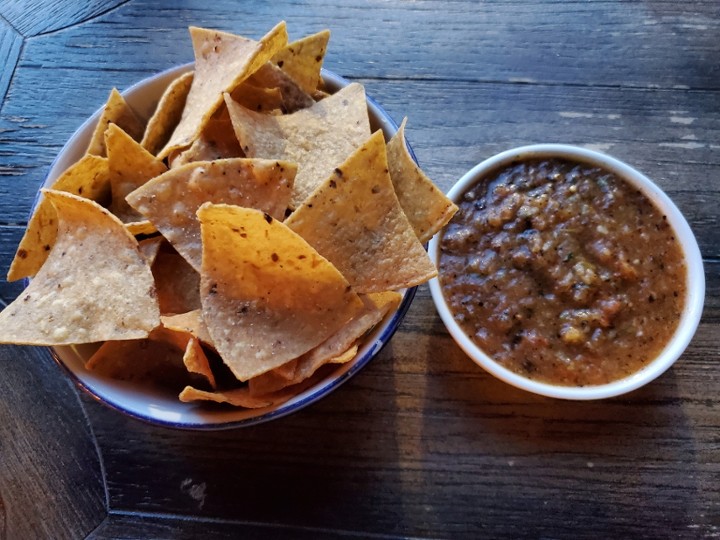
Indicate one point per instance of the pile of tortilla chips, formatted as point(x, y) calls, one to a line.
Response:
point(240, 241)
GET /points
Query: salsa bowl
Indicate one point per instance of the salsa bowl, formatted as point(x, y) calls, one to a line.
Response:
point(575, 326)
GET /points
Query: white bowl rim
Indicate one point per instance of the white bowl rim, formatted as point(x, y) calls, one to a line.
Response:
point(221, 419)
point(692, 311)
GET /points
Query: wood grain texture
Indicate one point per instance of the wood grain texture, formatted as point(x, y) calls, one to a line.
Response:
point(134, 526)
point(31, 17)
point(9, 240)
point(669, 135)
point(10, 46)
point(422, 443)
point(51, 484)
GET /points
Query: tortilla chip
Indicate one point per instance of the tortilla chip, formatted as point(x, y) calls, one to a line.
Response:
point(90, 178)
point(118, 112)
point(140, 227)
point(167, 114)
point(426, 207)
point(355, 220)
point(257, 98)
point(344, 358)
point(150, 247)
point(302, 60)
point(94, 286)
point(273, 381)
point(171, 200)
point(222, 62)
point(286, 371)
point(239, 397)
point(130, 166)
point(335, 349)
point(191, 323)
point(196, 361)
point(318, 138)
point(267, 296)
point(217, 141)
point(294, 98)
point(157, 359)
point(177, 284)
point(269, 382)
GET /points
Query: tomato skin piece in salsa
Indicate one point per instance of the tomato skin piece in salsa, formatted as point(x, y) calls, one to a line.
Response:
point(563, 272)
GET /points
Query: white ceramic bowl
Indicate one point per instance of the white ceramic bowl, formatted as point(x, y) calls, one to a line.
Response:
point(695, 275)
point(156, 406)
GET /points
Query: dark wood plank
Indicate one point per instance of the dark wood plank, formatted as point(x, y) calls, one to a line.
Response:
point(10, 47)
point(131, 526)
point(9, 240)
point(656, 43)
point(670, 136)
point(422, 442)
point(32, 17)
point(51, 483)
point(425, 443)
point(101, 54)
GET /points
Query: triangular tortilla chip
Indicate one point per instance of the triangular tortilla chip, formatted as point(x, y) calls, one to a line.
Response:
point(118, 112)
point(196, 361)
point(257, 98)
point(355, 221)
point(425, 206)
point(94, 286)
point(130, 166)
point(302, 60)
point(318, 138)
point(167, 114)
point(294, 98)
point(217, 141)
point(171, 200)
point(222, 62)
point(90, 178)
point(191, 323)
point(267, 296)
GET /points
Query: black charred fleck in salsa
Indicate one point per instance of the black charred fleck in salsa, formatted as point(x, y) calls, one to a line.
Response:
point(563, 272)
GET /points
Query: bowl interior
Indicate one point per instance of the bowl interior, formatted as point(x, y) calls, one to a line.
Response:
point(162, 407)
point(695, 281)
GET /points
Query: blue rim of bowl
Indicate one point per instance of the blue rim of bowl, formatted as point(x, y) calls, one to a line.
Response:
point(379, 343)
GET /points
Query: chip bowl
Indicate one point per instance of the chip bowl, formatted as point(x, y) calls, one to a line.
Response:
point(161, 407)
point(695, 277)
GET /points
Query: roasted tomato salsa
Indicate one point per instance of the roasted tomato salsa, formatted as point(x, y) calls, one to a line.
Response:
point(563, 272)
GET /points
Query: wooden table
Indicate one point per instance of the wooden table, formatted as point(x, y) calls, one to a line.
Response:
point(421, 443)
